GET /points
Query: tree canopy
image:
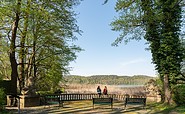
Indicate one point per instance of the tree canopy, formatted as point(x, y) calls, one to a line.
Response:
point(160, 23)
point(38, 38)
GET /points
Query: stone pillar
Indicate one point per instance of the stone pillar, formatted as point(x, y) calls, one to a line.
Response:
point(29, 101)
point(158, 98)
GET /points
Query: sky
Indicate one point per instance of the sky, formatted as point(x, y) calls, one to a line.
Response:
point(99, 57)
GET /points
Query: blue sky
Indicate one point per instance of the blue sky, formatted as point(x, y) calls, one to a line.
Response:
point(99, 57)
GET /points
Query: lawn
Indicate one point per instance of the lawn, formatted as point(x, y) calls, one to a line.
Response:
point(159, 108)
point(85, 107)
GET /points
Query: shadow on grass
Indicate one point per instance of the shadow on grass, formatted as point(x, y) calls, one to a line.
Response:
point(158, 108)
point(86, 107)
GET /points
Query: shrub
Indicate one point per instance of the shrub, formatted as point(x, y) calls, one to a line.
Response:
point(2, 98)
point(179, 94)
point(45, 92)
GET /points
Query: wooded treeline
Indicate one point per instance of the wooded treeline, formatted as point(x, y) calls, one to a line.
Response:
point(108, 79)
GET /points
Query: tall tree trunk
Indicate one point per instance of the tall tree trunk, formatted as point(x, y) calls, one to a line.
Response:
point(22, 49)
point(22, 56)
point(167, 90)
point(13, 62)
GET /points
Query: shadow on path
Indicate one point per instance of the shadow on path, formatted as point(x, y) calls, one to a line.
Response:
point(82, 107)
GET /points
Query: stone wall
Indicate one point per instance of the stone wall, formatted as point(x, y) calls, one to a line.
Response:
point(29, 101)
point(25, 101)
point(156, 98)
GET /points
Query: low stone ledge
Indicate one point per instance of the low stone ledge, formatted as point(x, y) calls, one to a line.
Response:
point(25, 101)
point(29, 101)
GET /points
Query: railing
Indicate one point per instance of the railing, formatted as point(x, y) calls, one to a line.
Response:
point(60, 98)
point(73, 97)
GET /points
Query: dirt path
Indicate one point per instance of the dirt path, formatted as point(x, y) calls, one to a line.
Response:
point(83, 107)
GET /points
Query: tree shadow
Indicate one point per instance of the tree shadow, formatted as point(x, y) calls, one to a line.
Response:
point(157, 109)
point(165, 111)
point(86, 107)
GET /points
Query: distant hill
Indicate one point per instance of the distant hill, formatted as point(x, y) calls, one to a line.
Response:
point(108, 79)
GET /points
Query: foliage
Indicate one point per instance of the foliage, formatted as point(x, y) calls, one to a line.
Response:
point(155, 21)
point(43, 45)
point(159, 83)
point(45, 92)
point(152, 87)
point(183, 63)
point(179, 94)
point(108, 80)
point(159, 23)
point(2, 98)
point(171, 50)
point(6, 85)
point(4, 60)
point(56, 91)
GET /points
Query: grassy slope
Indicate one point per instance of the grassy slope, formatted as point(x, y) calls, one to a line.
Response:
point(158, 108)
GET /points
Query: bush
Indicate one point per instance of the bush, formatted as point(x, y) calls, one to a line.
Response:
point(45, 92)
point(2, 98)
point(179, 94)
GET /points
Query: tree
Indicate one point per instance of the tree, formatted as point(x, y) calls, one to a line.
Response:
point(159, 22)
point(39, 39)
point(51, 37)
point(12, 55)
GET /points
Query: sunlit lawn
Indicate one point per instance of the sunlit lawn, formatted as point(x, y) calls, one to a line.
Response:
point(159, 108)
point(86, 107)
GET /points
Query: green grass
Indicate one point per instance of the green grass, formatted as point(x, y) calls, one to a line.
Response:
point(180, 109)
point(86, 107)
point(166, 109)
point(4, 112)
